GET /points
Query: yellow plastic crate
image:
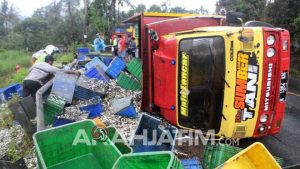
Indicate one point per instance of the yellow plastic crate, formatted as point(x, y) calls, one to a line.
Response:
point(256, 156)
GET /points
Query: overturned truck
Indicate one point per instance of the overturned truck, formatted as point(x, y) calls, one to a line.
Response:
point(200, 74)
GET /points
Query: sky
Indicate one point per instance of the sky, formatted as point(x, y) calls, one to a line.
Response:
point(27, 7)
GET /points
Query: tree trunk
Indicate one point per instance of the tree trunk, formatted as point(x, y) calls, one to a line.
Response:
point(86, 4)
point(72, 21)
point(113, 12)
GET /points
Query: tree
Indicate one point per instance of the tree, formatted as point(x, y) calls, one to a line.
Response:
point(285, 14)
point(154, 8)
point(254, 9)
point(201, 11)
point(178, 9)
point(165, 6)
point(131, 12)
point(34, 32)
point(140, 8)
point(73, 18)
point(8, 17)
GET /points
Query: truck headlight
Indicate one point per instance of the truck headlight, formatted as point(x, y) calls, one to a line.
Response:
point(285, 45)
point(270, 52)
point(264, 118)
point(271, 40)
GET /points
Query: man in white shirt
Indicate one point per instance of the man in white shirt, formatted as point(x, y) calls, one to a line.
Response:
point(39, 74)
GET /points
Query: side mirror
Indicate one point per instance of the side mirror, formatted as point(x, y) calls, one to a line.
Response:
point(235, 17)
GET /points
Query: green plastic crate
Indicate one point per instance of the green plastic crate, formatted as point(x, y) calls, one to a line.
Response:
point(150, 160)
point(135, 68)
point(120, 143)
point(215, 155)
point(55, 148)
point(54, 105)
point(128, 83)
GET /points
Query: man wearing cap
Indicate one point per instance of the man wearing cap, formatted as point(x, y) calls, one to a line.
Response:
point(39, 74)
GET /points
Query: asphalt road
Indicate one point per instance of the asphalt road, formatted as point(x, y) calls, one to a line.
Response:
point(286, 144)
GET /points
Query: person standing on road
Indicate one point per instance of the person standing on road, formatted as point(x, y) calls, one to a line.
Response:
point(122, 47)
point(116, 44)
point(39, 74)
point(99, 44)
point(133, 47)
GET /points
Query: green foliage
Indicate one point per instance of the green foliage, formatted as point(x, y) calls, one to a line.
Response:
point(14, 40)
point(285, 14)
point(140, 8)
point(64, 58)
point(154, 8)
point(6, 117)
point(254, 9)
point(296, 27)
point(17, 149)
point(13, 78)
point(178, 9)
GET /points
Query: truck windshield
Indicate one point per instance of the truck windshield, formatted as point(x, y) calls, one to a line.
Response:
point(201, 71)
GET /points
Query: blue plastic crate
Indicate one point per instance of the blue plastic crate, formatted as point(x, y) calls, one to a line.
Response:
point(152, 124)
point(2, 97)
point(61, 121)
point(193, 163)
point(96, 62)
point(97, 73)
point(82, 58)
point(64, 86)
point(20, 91)
point(128, 112)
point(94, 110)
point(83, 51)
point(116, 67)
point(10, 90)
point(82, 93)
point(106, 60)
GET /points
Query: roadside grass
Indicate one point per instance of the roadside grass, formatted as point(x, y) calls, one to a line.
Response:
point(13, 77)
point(64, 58)
point(9, 60)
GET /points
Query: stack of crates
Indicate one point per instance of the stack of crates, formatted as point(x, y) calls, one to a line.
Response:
point(54, 105)
point(135, 68)
point(128, 83)
point(94, 62)
point(97, 72)
point(116, 67)
point(149, 124)
point(106, 60)
point(150, 160)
